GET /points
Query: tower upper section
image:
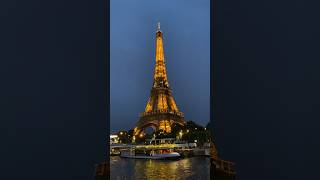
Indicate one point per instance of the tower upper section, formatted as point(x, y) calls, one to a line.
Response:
point(161, 98)
point(160, 74)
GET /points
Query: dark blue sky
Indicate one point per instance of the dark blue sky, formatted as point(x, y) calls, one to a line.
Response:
point(186, 28)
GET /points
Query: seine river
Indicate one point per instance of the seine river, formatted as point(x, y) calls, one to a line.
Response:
point(188, 168)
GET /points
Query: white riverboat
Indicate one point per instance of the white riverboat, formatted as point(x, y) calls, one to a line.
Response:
point(149, 154)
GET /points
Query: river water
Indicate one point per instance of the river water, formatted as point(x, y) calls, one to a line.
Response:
point(188, 168)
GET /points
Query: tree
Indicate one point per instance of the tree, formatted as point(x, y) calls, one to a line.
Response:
point(123, 137)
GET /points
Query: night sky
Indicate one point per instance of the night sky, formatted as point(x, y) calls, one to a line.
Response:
point(186, 28)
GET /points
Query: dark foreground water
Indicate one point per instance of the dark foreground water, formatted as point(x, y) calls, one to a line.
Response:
point(188, 168)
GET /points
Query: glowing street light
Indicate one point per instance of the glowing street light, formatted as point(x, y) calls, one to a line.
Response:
point(180, 133)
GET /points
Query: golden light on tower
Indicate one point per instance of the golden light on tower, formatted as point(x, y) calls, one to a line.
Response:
point(161, 111)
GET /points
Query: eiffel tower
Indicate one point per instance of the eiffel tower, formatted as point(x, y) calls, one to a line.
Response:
point(161, 111)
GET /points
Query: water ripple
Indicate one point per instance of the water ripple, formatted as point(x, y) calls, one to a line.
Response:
point(189, 168)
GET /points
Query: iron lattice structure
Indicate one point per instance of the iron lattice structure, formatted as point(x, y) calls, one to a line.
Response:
point(161, 111)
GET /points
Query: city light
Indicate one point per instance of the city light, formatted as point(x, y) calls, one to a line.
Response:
point(180, 133)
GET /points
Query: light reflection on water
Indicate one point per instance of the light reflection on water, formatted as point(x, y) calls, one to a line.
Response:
point(188, 168)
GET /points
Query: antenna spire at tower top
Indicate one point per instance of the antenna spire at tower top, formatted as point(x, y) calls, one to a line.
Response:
point(158, 28)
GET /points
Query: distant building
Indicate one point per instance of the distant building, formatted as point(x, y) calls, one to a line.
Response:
point(114, 139)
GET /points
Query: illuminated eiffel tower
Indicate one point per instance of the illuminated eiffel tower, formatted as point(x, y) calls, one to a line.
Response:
point(161, 111)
